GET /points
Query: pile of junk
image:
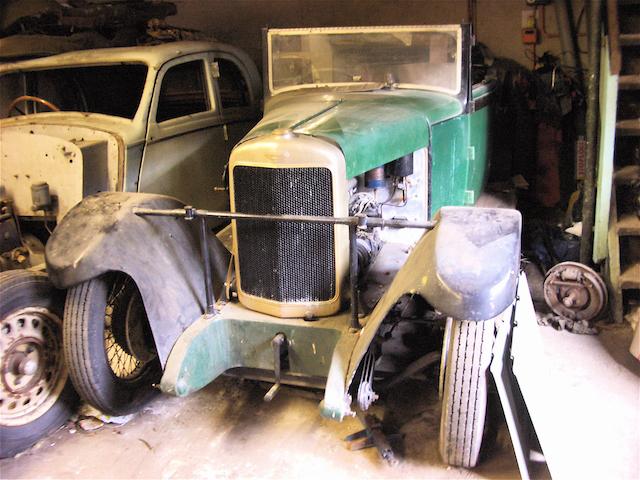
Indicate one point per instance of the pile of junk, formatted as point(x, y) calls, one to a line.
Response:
point(539, 154)
point(39, 28)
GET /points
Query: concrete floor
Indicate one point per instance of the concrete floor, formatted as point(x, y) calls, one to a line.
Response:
point(227, 431)
point(593, 395)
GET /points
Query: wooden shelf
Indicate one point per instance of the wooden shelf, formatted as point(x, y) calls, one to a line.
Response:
point(628, 128)
point(630, 278)
point(627, 175)
point(628, 224)
point(629, 82)
point(629, 39)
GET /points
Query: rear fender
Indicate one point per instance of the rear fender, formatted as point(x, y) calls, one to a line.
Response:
point(466, 267)
point(161, 254)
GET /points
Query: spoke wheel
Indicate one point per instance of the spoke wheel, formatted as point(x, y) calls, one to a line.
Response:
point(126, 334)
point(109, 345)
point(34, 393)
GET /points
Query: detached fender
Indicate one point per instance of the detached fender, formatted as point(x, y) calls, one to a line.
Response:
point(466, 267)
point(161, 254)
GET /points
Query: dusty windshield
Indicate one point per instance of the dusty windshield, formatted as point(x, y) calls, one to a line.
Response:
point(415, 57)
point(108, 89)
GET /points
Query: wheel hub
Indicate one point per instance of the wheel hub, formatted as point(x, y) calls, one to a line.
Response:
point(32, 372)
point(574, 291)
point(22, 366)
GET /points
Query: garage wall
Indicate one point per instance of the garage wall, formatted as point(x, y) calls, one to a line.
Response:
point(240, 21)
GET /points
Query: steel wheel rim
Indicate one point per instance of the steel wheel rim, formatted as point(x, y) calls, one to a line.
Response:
point(32, 369)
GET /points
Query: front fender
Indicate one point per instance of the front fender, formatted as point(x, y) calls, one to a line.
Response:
point(466, 267)
point(161, 254)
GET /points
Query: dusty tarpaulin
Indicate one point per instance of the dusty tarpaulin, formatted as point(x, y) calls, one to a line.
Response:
point(56, 18)
point(46, 27)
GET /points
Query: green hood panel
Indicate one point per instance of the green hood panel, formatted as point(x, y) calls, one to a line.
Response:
point(371, 128)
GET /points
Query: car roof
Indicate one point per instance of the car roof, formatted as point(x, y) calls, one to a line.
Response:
point(153, 55)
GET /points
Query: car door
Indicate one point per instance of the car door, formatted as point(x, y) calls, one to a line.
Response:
point(185, 153)
point(239, 108)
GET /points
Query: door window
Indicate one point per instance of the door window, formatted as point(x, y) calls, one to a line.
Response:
point(234, 90)
point(183, 91)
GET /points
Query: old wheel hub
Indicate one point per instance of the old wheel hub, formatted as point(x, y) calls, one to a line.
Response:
point(32, 372)
point(574, 291)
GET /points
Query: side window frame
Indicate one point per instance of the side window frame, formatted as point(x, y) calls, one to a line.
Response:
point(233, 113)
point(185, 123)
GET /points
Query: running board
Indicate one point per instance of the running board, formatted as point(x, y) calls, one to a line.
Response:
point(515, 410)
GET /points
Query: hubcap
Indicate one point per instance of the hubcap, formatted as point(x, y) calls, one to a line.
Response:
point(32, 371)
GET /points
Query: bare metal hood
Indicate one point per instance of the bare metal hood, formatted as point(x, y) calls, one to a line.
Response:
point(74, 161)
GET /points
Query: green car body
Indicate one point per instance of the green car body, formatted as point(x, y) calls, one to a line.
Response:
point(375, 126)
point(366, 126)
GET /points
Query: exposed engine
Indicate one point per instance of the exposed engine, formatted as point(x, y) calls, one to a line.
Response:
point(395, 190)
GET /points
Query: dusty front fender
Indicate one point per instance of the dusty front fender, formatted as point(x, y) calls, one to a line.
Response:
point(162, 255)
point(466, 267)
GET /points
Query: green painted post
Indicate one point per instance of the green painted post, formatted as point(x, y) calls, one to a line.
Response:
point(608, 107)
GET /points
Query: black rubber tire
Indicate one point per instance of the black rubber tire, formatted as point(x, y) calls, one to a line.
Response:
point(21, 289)
point(465, 395)
point(84, 348)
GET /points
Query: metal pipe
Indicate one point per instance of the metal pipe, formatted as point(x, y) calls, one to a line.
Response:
point(361, 221)
point(353, 277)
point(208, 282)
point(568, 38)
point(593, 84)
point(276, 344)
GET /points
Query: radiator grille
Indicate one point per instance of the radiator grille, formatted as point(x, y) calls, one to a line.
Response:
point(285, 261)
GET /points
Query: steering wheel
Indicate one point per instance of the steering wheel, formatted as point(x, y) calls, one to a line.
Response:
point(30, 98)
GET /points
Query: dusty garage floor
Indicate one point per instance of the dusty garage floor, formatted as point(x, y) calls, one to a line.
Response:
point(227, 431)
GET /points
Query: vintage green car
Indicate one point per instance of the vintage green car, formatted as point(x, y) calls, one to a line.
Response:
point(352, 221)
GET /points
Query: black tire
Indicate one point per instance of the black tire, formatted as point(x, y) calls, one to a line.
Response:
point(92, 333)
point(465, 394)
point(36, 411)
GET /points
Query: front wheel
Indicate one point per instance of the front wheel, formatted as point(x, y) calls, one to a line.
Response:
point(109, 346)
point(465, 391)
point(35, 394)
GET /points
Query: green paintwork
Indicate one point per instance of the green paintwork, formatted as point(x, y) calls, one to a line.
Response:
point(606, 145)
point(460, 154)
point(237, 337)
point(449, 165)
point(372, 128)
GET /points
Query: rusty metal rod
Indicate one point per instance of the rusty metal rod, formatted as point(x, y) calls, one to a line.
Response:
point(593, 85)
point(361, 221)
point(353, 277)
point(208, 280)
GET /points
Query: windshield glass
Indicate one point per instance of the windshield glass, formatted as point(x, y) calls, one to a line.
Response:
point(108, 89)
point(415, 57)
